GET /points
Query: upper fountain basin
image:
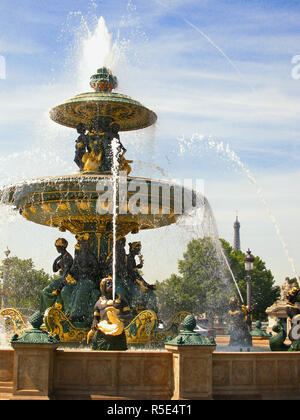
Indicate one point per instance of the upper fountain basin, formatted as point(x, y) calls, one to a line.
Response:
point(125, 111)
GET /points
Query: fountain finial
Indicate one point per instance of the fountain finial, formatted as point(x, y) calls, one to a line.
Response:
point(103, 80)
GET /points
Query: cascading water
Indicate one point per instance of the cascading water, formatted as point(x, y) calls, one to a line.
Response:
point(198, 143)
point(115, 171)
point(200, 222)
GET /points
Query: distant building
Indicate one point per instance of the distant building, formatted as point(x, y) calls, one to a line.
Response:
point(236, 235)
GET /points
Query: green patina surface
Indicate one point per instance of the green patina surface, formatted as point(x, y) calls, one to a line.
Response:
point(35, 335)
point(188, 337)
point(259, 332)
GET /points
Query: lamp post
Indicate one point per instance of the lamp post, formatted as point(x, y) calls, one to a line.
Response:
point(249, 264)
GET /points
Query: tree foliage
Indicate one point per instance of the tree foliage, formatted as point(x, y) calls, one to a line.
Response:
point(199, 286)
point(264, 292)
point(204, 283)
point(25, 283)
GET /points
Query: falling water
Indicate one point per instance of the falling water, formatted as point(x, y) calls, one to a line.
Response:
point(200, 222)
point(234, 158)
point(220, 250)
point(231, 273)
point(115, 171)
point(199, 141)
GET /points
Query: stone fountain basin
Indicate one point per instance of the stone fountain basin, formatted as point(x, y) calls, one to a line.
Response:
point(75, 202)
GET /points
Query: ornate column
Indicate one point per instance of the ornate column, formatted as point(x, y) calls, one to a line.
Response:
point(192, 363)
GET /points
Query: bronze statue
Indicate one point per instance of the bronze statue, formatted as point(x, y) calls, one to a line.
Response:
point(133, 268)
point(64, 261)
point(141, 292)
point(107, 325)
point(292, 307)
point(84, 276)
point(277, 342)
point(94, 150)
point(293, 313)
point(85, 263)
point(121, 259)
point(240, 320)
point(62, 264)
point(81, 146)
point(111, 132)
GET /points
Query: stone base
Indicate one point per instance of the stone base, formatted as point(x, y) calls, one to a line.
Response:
point(192, 372)
point(150, 375)
point(33, 371)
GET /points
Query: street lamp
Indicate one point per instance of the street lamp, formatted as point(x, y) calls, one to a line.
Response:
point(249, 264)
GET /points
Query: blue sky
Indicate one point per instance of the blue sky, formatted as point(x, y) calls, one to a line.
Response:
point(221, 69)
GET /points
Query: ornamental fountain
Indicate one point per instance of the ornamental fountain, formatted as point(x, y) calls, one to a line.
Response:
point(100, 205)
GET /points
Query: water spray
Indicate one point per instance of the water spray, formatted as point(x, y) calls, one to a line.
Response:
point(115, 171)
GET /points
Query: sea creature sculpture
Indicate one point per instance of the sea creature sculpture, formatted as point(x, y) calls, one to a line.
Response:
point(277, 342)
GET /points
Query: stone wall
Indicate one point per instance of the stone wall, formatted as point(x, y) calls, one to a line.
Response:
point(6, 372)
point(266, 375)
point(149, 375)
point(133, 375)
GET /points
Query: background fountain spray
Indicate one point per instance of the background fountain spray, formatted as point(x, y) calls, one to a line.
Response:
point(197, 143)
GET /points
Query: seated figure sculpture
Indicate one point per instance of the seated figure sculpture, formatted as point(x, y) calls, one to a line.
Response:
point(107, 331)
point(84, 275)
point(62, 264)
point(141, 293)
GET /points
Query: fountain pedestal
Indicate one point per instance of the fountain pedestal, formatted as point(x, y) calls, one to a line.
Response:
point(33, 362)
point(33, 371)
point(192, 363)
point(192, 372)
